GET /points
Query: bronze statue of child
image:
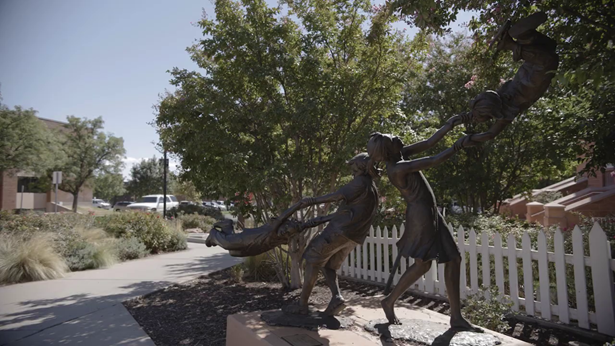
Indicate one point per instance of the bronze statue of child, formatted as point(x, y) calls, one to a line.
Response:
point(348, 227)
point(254, 241)
point(426, 236)
point(540, 62)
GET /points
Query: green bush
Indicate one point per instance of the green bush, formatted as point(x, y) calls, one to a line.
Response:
point(84, 255)
point(547, 197)
point(178, 240)
point(202, 222)
point(39, 222)
point(29, 258)
point(196, 209)
point(89, 249)
point(149, 228)
point(130, 248)
point(488, 312)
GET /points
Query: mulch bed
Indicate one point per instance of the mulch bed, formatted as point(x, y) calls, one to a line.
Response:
point(194, 313)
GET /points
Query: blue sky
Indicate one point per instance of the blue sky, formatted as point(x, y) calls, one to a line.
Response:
point(99, 58)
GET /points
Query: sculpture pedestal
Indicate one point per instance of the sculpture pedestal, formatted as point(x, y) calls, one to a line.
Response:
point(250, 329)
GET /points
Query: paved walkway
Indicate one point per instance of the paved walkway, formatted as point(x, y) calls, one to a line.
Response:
point(85, 307)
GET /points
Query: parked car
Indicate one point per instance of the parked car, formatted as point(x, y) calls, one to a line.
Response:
point(221, 205)
point(119, 206)
point(99, 203)
point(211, 204)
point(153, 203)
point(187, 203)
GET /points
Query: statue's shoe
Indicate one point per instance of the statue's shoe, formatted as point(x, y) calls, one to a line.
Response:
point(526, 24)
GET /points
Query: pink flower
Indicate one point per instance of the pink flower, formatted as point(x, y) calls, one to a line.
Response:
point(502, 81)
point(469, 84)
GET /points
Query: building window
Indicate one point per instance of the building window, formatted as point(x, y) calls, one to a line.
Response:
point(31, 184)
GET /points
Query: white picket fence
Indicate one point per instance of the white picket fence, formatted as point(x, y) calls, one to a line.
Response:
point(369, 262)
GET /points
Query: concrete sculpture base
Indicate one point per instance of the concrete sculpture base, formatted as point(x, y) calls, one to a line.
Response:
point(250, 329)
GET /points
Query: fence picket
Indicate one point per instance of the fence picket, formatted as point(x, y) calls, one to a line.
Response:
point(579, 278)
point(528, 281)
point(512, 271)
point(543, 276)
point(462, 248)
point(364, 253)
point(386, 257)
point(499, 264)
point(560, 276)
point(353, 253)
point(379, 254)
point(484, 250)
point(473, 262)
point(372, 258)
point(602, 278)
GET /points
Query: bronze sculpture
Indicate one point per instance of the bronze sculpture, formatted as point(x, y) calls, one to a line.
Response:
point(253, 241)
point(426, 237)
point(347, 228)
point(529, 83)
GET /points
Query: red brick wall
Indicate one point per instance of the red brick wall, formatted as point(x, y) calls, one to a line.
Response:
point(8, 191)
point(602, 208)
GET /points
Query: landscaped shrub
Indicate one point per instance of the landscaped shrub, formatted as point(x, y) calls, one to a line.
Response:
point(39, 222)
point(130, 248)
point(150, 229)
point(202, 222)
point(489, 313)
point(89, 249)
point(83, 255)
point(547, 197)
point(29, 258)
point(196, 209)
point(178, 240)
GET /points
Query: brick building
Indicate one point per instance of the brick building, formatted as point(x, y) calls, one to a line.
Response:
point(33, 197)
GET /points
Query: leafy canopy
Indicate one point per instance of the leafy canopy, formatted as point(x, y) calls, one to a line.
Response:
point(88, 150)
point(25, 142)
point(285, 96)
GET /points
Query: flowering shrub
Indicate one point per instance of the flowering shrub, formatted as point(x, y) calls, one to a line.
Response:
point(204, 223)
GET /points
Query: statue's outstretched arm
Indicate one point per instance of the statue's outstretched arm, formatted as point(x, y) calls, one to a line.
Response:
point(423, 145)
point(318, 220)
point(430, 161)
point(490, 134)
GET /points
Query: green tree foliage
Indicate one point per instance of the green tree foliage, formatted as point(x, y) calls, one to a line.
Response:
point(584, 30)
point(25, 142)
point(88, 151)
point(531, 150)
point(146, 178)
point(109, 185)
point(283, 99)
point(185, 189)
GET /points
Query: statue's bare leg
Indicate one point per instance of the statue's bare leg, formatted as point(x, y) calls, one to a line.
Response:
point(309, 281)
point(451, 278)
point(418, 269)
point(337, 303)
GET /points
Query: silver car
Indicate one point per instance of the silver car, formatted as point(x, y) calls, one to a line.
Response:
point(119, 206)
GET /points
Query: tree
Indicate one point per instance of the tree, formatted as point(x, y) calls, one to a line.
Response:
point(533, 149)
point(146, 177)
point(282, 102)
point(109, 185)
point(25, 142)
point(186, 189)
point(88, 150)
point(584, 31)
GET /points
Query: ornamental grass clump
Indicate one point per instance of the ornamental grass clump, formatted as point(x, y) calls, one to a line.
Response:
point(29, 258)
point(90, 249)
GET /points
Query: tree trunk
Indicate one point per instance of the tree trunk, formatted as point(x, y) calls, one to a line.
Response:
point(296, 261)
point(75, 200)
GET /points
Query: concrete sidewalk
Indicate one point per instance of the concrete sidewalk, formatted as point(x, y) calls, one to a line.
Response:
point(85, 307)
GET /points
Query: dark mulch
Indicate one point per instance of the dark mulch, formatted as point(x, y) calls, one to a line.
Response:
point(194, 313)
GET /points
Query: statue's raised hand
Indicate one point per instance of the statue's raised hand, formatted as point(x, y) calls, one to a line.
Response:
point(307, 201)
point(464, 142)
